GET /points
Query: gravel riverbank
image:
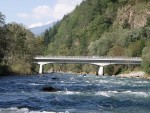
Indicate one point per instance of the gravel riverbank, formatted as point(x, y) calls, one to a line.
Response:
point(137, 74)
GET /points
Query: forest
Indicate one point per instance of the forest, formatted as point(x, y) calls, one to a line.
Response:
point(103, 28)
point(94, 28)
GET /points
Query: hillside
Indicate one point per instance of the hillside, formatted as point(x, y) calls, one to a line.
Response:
point(102, 28)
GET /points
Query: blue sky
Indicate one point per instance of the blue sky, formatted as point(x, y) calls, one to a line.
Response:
point(33, 13)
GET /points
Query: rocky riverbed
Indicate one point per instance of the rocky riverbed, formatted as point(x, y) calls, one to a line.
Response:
point(134, 74)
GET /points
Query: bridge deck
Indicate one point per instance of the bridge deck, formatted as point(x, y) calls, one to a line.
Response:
point(89, 59)
point(96, 60)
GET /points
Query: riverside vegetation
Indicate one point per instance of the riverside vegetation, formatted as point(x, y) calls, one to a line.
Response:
point(18, 46)
point(94, 28)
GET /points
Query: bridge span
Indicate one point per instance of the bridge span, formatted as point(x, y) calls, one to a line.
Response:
point(95, 60)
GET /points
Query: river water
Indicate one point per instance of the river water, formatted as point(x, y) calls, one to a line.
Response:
point(77, 94)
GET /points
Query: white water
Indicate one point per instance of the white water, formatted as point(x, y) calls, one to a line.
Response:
point(24, 110)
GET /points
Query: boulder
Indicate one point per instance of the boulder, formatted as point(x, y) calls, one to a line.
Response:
point(54, 78)
point(49, 89)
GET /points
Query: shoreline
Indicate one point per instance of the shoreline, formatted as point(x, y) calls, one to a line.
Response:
point(134, 74)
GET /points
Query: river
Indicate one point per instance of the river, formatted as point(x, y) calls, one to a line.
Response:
point(77, 94)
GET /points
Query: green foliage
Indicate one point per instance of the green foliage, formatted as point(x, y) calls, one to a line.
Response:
point(50, 33)
point(3, 42)
point(148, 22)
point(146, 58)
point(122, 42)
point(3, 38)
point(101, 28)
point(116, 50)
point(23, 66)
point(87, 68)
point(78, 29)
point(2, 19)
point(135, 48)
point(96, 27)
point(21, 49)
point(18, 46)
point(3, 45)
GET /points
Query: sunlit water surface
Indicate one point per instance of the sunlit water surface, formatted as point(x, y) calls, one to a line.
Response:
point(77, 94)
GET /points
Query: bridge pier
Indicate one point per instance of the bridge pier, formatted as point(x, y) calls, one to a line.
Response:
point(101, 70)
point(101, 67)
point(41, 69)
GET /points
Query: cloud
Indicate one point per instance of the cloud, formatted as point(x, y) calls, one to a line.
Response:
point(64, 7)
point(35, 25)
point(37, 13)
point(40, 12)
point(50, 13)
point(61, 9)
point(39, 24)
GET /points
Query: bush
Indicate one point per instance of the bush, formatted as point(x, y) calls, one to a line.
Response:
point(146, 59)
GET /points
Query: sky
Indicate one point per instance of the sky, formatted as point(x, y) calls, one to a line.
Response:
point(32, 13)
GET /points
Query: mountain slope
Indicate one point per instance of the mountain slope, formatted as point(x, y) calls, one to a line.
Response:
point(103, 28)
point(40, 29)
point(77, 32)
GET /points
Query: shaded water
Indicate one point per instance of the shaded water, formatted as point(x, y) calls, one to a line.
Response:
point(77, 94)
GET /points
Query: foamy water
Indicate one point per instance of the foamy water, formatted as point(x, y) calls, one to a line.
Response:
point(24, 110)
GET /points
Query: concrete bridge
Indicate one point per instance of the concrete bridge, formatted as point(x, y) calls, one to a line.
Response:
point(95, 60)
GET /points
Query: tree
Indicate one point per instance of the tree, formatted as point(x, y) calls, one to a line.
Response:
point(21, 49)
point(2, 19)
point(135, 48)
point(3, 37)
point(146, 59)
point(3, 42)
point(116, 51)
point(101, 27)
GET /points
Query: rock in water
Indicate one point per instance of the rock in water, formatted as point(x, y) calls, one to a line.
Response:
point(49, 89)
point(54, 78)
point(84, 74)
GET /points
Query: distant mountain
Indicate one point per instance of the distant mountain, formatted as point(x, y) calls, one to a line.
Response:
point(40, 29)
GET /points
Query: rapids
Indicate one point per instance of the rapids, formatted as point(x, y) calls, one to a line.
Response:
point(76, 94)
